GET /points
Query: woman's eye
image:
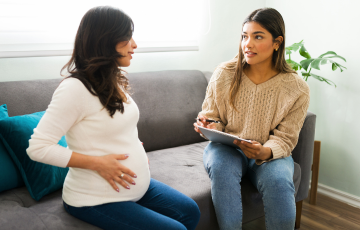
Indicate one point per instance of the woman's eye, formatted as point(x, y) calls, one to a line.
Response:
point(258, 37)
point(244, 36)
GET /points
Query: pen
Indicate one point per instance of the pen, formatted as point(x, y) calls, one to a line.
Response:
point(208, 120)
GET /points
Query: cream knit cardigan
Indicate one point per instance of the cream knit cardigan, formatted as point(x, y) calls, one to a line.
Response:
point(271, 113)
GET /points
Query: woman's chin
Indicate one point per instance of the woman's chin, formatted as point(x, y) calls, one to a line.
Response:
point(125, 64)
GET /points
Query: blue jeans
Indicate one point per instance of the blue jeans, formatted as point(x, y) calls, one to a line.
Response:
point(274, 180)
point(162, 207)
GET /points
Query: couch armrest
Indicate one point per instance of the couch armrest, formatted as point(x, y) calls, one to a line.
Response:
point(303, 154)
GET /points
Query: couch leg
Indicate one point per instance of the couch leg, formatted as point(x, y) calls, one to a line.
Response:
point(315, 172)
point(298, 214)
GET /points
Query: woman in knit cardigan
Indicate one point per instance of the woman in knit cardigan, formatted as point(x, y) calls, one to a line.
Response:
point(108, 183)
point(255, 96)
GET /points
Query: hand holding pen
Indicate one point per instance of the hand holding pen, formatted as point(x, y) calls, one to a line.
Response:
point(203, 121)
point(208, 120)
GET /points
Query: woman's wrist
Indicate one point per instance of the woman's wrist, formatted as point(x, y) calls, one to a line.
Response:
point(267, 154)
point(79, 160)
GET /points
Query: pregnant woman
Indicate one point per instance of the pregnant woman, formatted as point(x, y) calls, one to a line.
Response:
point(255, 96)
point(108, 183)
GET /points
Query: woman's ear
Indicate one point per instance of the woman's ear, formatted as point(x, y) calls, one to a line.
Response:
point(278, 41)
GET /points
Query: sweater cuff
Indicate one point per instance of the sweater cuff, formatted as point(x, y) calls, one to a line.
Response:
point(276, 150)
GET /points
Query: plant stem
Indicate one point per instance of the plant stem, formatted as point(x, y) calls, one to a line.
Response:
point(308, 74)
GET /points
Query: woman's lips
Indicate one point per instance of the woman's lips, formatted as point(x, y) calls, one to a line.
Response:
point(250, 54)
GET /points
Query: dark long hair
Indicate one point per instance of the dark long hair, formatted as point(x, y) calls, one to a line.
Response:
point(95, 60)
point(273, 22)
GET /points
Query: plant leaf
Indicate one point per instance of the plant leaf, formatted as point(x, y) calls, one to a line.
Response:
point(303, 52)
point(322, 79)
point(327, 53)
point(323, 61)
point(305, 63)
point(305, 74)
point(294, 65)
point(315, 64)
point(338, 65)
point(337, 56)
point(293, 48)
point(333, 66)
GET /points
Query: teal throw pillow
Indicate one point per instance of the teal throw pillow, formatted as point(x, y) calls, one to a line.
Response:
point(10, 176)
point(40, 179)
point(3, 111)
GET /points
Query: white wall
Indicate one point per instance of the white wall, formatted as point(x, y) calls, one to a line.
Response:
point(219, 45)
point(331, 25)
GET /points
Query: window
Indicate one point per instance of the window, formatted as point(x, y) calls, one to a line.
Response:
point(48, 28)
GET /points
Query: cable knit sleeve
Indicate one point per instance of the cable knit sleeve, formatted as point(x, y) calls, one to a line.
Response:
point(213, 102)
point(284, 137)
point(68, 106)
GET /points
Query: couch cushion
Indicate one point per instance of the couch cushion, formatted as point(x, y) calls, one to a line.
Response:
point(3, 111)
point(181, 168)
point(39, 178)
point(25, 97)
point(10, 176)
point(169, 102)
point(19, 211)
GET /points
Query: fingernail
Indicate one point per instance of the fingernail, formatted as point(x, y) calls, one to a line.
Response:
point(133, 183)
point(128, 187)
point(126, 155)
point(117, 190)
point(135, 176)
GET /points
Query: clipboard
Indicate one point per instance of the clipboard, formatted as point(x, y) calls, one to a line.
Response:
point(221, 137)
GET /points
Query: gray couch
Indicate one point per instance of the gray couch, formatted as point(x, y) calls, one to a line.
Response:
point(168, 102)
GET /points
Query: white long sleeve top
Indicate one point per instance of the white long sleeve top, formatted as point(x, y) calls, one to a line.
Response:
point(89, 129)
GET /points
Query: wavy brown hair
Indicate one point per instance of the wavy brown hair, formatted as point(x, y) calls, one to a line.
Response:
point(273, 22)
point(94, 60)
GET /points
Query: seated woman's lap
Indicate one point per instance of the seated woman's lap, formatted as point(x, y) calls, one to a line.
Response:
point(274, 180)
point(162, 207)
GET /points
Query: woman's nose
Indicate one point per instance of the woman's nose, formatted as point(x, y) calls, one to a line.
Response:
point(133, 44)
point(248, 43)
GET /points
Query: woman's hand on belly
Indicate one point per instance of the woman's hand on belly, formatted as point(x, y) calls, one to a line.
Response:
point(255, 150)
point(112, 171)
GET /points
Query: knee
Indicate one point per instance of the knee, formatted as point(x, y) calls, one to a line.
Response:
point(219, 158)
point(192, 215)
point(280, 184)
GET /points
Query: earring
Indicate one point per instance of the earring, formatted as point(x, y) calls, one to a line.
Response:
point(276, 49)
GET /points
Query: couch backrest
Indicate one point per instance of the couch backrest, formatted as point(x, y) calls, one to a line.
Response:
point(168, 102)
point(24, 97)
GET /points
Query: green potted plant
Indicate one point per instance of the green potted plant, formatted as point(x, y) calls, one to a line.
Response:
point(313, 63)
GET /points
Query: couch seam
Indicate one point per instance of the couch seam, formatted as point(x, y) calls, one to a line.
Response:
point(22, 202)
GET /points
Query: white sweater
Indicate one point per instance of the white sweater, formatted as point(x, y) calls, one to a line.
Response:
point(90, 130)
